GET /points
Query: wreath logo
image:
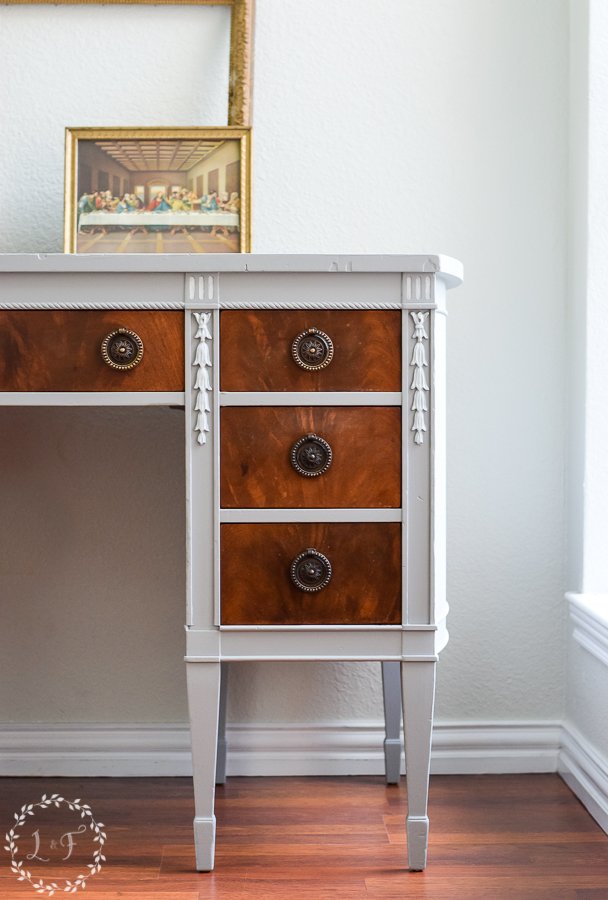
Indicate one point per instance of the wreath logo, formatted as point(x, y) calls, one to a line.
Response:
point(39, 884)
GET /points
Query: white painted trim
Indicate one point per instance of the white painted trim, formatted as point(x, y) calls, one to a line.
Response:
point(585, 771)
point(335, 748)
point(311, 515)
point(589, 613)
point(92, 398)
point(310, 398)
point(298, 629)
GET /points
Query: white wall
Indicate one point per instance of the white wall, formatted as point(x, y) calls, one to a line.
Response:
point(587, 681)
point(576, 317)
point(595, 277)
point(404, 125)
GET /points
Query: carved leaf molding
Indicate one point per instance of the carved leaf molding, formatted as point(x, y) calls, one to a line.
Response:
point(202, 381)
point(419, 384)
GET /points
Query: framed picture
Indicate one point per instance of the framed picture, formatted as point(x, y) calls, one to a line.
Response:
point(157, 190)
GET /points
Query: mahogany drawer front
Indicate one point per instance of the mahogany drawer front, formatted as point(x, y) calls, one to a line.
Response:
point(60, 350)
point(257, 587)
point(256, 350)
point(256, 457)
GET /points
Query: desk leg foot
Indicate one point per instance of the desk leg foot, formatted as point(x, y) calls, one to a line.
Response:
point(203, 701)
point(391, 693)
point(204, 843)
point(417, 842)
point(418, 692)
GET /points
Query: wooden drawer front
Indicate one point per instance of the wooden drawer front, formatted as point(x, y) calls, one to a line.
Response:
point(365, 587)
point(60, 350)
point(256, 350)
point(257, 470)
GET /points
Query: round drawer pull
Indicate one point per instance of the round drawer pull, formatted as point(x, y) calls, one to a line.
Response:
point(312, 350)
point(311, 571)
point(311, 456)
point(122, 349)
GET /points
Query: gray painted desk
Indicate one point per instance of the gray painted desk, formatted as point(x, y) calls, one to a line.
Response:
point(319, 565)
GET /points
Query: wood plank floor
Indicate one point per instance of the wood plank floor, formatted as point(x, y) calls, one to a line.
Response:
point(492, 837)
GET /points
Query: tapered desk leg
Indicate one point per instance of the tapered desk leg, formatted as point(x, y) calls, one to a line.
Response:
point(203, 701)
point(220, 767)
point(391, 693)
point(418, 689)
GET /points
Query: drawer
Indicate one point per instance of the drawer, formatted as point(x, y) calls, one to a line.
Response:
point(270, 456)
point(256, 574)
point(60, 350)
point(257, 350)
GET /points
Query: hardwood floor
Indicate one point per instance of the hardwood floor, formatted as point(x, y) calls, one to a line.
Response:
point(492, 837)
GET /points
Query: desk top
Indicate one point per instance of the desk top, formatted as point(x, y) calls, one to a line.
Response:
point(448, 268)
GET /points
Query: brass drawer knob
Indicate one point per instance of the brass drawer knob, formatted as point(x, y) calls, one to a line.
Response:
point(122, 349)
point(311, 456)
point(312, 350)
point(311, 571)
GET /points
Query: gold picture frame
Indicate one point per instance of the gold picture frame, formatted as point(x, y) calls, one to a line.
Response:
point(241, 37)
point(157, 190)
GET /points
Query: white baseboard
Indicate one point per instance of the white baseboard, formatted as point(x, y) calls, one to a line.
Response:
point(495, 748)
point(585, 771)
point(318, 749)
point(89, 750)
point(356, 749)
